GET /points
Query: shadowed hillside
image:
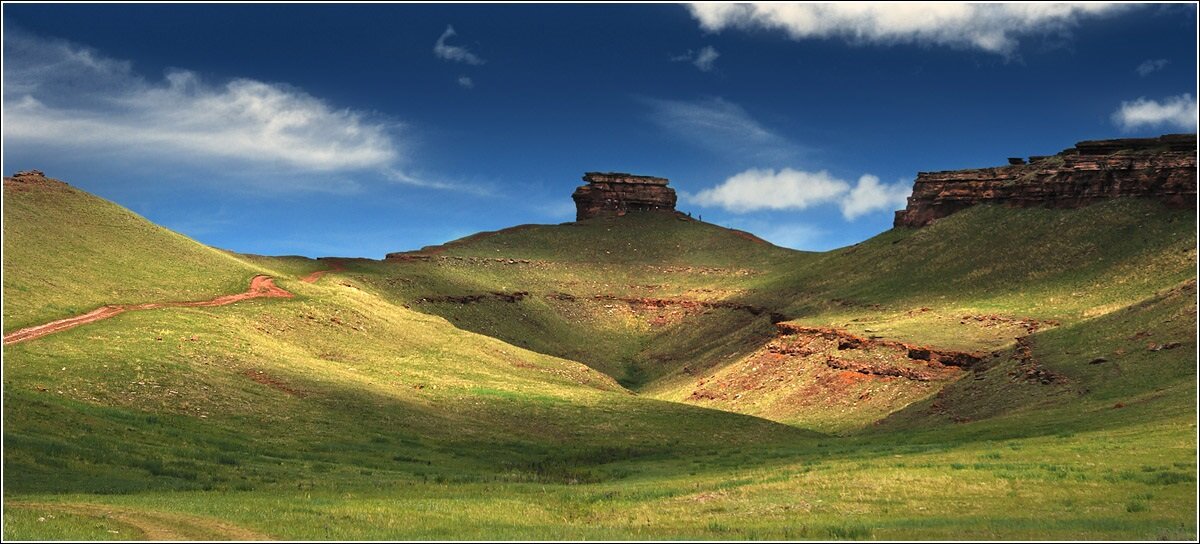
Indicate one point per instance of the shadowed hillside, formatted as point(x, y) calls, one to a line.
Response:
point(999, 374)
point(651, 301)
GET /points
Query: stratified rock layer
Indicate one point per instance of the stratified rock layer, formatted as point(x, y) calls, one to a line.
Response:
point(1163, 168)
point(614, 193)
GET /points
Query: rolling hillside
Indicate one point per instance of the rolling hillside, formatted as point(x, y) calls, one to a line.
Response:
point(672, 318)
point(641, 377)
point(67, 252)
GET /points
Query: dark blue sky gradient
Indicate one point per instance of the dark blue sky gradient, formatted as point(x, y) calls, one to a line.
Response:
point(571, 88)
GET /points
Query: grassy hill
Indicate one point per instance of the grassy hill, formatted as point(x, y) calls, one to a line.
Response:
point(67, 252)
point(485, 389)
point(568, 278)
point(648, 300)
point(971, 282)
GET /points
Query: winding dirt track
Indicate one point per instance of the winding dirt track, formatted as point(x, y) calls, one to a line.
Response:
point(334, 266)
point(155, 525)
point(260, 286)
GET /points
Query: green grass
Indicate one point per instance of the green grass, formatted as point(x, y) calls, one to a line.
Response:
point(372, 406)
point(67, 252)
point(23, 523)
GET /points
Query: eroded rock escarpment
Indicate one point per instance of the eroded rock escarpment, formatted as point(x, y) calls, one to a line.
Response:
point(614, 193)
point(1163, 168)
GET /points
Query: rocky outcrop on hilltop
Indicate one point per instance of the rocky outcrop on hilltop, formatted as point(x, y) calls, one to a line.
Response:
point(1162, 168)
point(614, 193)
point(33, 180)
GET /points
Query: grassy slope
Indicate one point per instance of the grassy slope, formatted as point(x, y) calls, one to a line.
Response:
point(1054, 264)
point(67, 252)
point(657, 256)
point(262, 415)
point(333, 378)
point(1064, 266)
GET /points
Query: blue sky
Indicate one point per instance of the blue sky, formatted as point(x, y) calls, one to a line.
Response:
point(359, 130)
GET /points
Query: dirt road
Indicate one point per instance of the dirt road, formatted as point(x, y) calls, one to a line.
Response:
point(154, 525)
point(260, 286)
point(334, 266)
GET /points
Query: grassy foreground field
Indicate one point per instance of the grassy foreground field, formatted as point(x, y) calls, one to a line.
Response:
point(542, 383)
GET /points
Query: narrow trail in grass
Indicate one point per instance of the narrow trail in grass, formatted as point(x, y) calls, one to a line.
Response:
point(334, 266)
point(260, 286)
point(156, 525)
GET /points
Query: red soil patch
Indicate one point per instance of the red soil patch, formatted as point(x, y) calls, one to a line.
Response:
point(848, 377)
point(334, 266)
point(260, 286)
point(813, 366)
point(846, 340)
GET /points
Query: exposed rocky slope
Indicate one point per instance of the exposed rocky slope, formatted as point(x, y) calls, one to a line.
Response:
point(1163, 167)
point(616, 193)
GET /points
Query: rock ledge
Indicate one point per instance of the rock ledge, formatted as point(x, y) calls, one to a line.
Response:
point(1095, 170)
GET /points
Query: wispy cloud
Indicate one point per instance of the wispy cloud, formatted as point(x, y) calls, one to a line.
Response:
point(416, 180)
point(703, 60)
point(1176, 112)
point(466, 82)
point(1150, 66)
point(60, 94)
point(454, 53)
point(720, 126)
point(63, 96)
point(789, 189)
point(994, 28)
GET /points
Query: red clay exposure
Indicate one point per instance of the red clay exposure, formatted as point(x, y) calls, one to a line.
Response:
point(334, 266)
point(260, 287)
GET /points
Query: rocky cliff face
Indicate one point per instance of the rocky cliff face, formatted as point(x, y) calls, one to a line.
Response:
point(618, 193)
point(1163, 168)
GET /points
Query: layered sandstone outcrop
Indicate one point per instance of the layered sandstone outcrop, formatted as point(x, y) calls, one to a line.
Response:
point(1162, 168)
point(613, 193)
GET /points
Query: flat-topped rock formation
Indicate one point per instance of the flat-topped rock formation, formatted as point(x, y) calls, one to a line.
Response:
point(1162, 167)
point(615, 193)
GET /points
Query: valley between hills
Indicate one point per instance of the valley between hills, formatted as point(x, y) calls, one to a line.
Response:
point(1015, 360)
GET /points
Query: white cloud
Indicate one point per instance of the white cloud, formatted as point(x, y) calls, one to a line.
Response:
point(870, 195)
point(466, 82)
point(1175, 112)
point(63, 98)
point(1150, 66)
point(407, 178)
point(705, 58)
point(788, 189)
point(702, 60)
point(454, 53)
point(61, 95)
point(989, 27)
point(766, 189)
point(719, 126)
